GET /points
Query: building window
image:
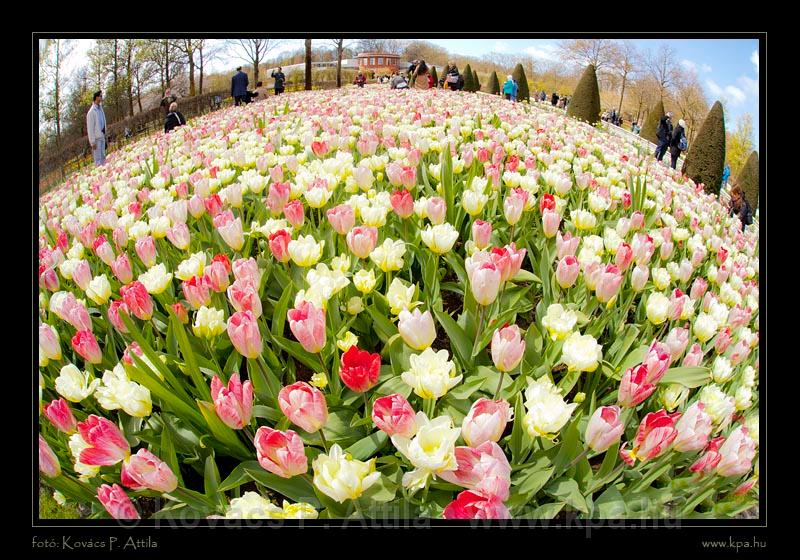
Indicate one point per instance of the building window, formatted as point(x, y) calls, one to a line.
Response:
point(380, 61)
point(372, 61)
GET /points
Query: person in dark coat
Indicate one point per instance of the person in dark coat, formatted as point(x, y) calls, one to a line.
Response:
point(167, 100)
point(280, 81)
point(239, 84)
point(664, 135)
point(739, 206)
point(360, 80)
point(554, 99)
point(675, 142)
point(174, 118)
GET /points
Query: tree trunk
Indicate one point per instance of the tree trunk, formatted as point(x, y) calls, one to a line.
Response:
point(192, 92)
point(130, 81)
point(308, 64)
point(200, 51)
point(339, 50)
point(56, 93)
point(622, 94)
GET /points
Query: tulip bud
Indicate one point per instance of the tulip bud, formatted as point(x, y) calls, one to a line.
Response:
point(604, 428)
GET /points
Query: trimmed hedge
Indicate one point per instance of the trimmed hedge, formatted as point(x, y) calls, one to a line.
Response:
point(585, 102)
point(648, 131)
point(706, 158)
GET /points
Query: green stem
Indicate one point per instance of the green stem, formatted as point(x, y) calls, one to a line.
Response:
point(358, 510)
point(499, 385)
point(366, 405)
point(480, 324)
point(324, 441)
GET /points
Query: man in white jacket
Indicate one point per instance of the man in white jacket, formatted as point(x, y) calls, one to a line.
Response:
point(96, 129)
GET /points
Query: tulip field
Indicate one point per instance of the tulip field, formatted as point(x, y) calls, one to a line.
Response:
point(378, 303)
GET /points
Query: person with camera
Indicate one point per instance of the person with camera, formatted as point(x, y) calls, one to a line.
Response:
point(664, 134)
point(280, 81)
point(739, 206)
point(678, 143)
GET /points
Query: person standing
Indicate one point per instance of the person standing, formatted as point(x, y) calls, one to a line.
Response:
point(543, 96)
point(420, 77)
point(280, 81)
point(96, 129)
point(174, 118)
point(726, 173)
point(554, 99)
point(678, 143)
point(664, 135)
point(508, 88)
point(239, 84)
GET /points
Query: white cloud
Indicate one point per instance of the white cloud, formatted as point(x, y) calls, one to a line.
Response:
point(754, 60)
point(749, 85)
point(547, 51)
point(501, 47)
point(733, 94)
point(695, 67)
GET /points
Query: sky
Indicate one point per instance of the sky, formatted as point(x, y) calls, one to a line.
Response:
point(728, 69)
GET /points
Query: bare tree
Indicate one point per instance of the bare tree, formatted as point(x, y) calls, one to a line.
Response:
point(53, 53)
point(308, 64)
point(662, 67)
point(207, 52)
point(625, 63)
point(339, 45)
point(188, 48)
point(599, 52)
point(389, 46)
point(690, 99)
point(253, 51)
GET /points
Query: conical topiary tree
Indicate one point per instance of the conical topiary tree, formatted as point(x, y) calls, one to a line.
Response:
point(519, 76)
point(468, 78)
point(476, 82)
point(585, 102)
point(748, 180)
point(494, 84)
point(648, 131)
point(706, 158)
point(434, 76)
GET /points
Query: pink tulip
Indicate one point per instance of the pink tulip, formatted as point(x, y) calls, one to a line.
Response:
point(49, 342)
point(215, 277)
point(137, 300)
point(196, 292)
point(608, 284)
point(181, 312)
point(723, 340)
point(307, 324)
point(230, 229)
point(82, 275)
point(738, 317)
point(624, 256)
point(393, 415)
point(657, 361)
point(393, 172)
point(699, 287)
point(604, 428)
point(736, 454)
point(710, 458)
point(740, 352)
point(48, 279)
point(694, 428)
point(279, 245)
point(87, 234)
point(276, 173)
point(436, 210)
point(402, 203)
point(244, 334)
point(643, 248)
point(213, 205)
point(550, 222)
point(146, 249)
point(591, 274)
point(116, 502)
point(655, 434)
point(144, 470)
point(196, 206)
point(122, 269)
point(361, 240)
point(481, 233)
point(483, 469)
point(484, 281)
point(508, 260)
point(694, 357)
point(106, 444)
point(281, 453)
point(278, 197)
point(486, 421)
point(48, 461)
point(179, 236)
point(677, 340)
point(416, 328)
point(247, 270)
point(103, 250)
point(566, 245)
point(513, 206)
point(319, 148)
point(85, 344)
point(471, 505)
point(507, 348)
point(294, 213)
point(304, 405)
point(60, 415)
point(567, 271)
point(244, 297)
point(342, 218)
point(234, 404)
point(634, 388)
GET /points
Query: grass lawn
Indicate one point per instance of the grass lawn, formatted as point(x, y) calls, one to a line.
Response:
point(49, 508)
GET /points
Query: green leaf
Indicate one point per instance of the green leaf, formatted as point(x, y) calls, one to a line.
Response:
point(167, 452)
point(188, 355)
point(383, 490)
point(296, 350)
point(460, 343)
point(566, 490)
point(233, 363)
point(570, 446)
point(526, 276)
point(634, 358)
point(279, 314)
point(297, 488)
point(520, 440)
point(446, 175)
point(690, 377)
point(236, 478)
point(137, 373)
point(547, 511)
point(193, 499)
point(466, 388)
point(366, 447)
point(211, 481)
point(384, 328)
point(490, 328)
point(271, 414)
point(610, 505)
point(535, 480)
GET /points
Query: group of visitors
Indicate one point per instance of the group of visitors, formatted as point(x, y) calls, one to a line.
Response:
point(510, 88)
point(671, 137)
point(613, 117)
point(240, 81)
